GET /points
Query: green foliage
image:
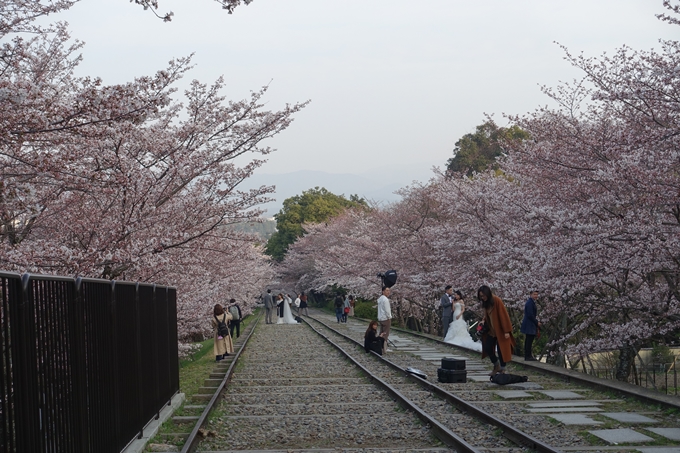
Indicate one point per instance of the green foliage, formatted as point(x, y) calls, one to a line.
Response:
point(662, 354)
point(313, 206)
point(477, 152)
point(366, 310)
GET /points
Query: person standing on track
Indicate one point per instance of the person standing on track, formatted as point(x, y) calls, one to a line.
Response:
point(236, 315)
point(297, 306)
point(498, 336)
point(352, 304)
point(530, 325)
point(345, 308)
point(303, 304)
point(338, 307)
point(268, 307)
point(447, 311)
point(222, 345)
point(385, 316)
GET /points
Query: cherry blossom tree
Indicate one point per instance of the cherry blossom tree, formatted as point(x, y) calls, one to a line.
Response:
point(610, 169)
point(126, 181)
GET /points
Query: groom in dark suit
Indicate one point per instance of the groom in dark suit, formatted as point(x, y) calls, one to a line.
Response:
point(447, 311)
point(268, 306)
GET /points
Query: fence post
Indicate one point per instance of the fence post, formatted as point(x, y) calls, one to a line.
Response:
point(116, 370)
point(138, 359)
point(156, 348)
point(168, 331)
point(79, 361)
point(28, 401)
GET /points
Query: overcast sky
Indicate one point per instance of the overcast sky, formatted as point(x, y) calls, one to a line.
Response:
point(392, 82)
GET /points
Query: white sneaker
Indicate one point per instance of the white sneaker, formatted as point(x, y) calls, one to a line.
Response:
point(388, 350)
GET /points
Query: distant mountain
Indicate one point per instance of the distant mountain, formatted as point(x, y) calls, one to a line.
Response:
point(376, 185)
point(265, 229)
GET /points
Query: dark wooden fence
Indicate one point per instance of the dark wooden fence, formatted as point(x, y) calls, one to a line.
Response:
point(86, 363)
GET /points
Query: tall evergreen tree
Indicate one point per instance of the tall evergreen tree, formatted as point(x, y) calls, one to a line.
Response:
point(313, 206)
point(477, 152)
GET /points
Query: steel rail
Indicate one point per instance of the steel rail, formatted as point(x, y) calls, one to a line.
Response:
point(192, 440)
point(509, 431)
point(441, 431)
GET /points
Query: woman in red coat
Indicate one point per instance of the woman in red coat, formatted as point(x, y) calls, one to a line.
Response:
point(498, 336)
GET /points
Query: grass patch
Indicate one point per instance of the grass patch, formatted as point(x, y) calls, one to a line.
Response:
point(671, 412)
point(553, 421)
point(205, 347)
point(197, 369)
point(592, 439)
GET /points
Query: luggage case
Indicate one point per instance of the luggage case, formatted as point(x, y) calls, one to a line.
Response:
point(452, 376)
point(449, 363)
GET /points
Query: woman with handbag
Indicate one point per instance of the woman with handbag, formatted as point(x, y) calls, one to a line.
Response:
point(345, 309)
point(498, 336)
point(223, 345)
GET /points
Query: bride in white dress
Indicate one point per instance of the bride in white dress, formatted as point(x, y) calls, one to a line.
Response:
point(288, 317)
point(458, 330)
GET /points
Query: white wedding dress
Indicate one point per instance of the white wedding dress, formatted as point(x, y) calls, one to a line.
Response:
point(288, 317)
point(458, 332)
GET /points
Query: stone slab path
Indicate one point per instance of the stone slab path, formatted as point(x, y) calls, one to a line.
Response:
point(575, 419)
point(621, 435)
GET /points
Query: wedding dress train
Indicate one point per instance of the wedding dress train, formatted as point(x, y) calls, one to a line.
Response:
point(288, 317)
point(458, 332)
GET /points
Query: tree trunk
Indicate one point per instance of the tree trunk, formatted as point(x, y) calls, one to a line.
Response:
point(557, 359)
point(625, 364)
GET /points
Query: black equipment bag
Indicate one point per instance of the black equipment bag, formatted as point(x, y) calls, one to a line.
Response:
point(449, 363)
point(389, 278)
point(222, 329)
point(451, 376)
point(504, 379)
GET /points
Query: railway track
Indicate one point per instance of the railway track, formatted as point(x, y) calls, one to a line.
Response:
point(559, 408)
point(311, 387)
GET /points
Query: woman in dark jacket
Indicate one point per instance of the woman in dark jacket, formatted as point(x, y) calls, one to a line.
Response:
point(373, 341)
point(530, 326)
point(338, 307)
